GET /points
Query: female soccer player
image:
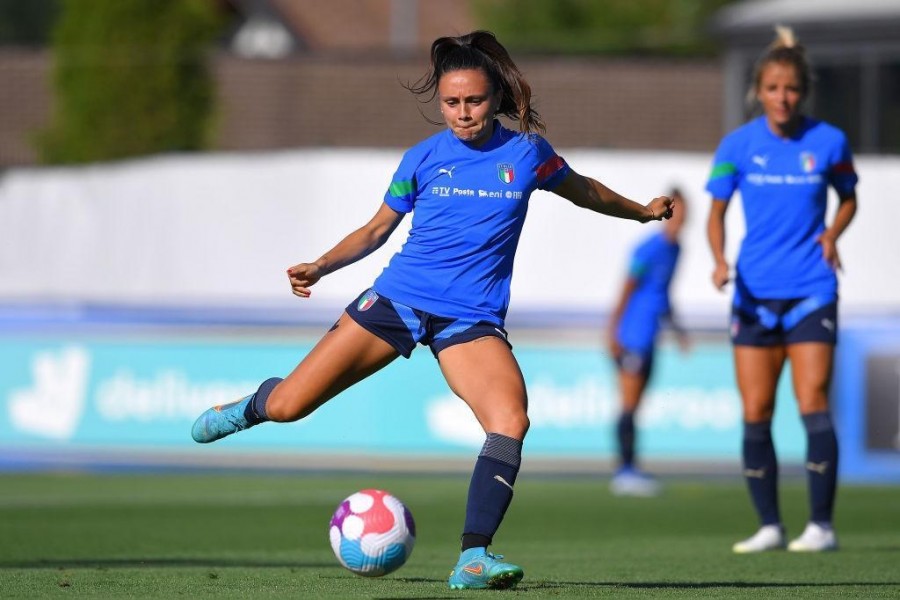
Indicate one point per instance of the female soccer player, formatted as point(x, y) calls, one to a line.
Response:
point(785, 297)
point(633, 329)
point(448, 287)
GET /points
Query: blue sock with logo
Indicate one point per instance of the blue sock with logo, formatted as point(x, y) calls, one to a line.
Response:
point(821, 465)
point(255, 412)
point(761, 471)
point(491, 489)
point(625, 435)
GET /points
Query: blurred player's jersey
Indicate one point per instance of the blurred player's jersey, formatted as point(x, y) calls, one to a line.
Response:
point(652, 267)
point(783, 185)
point(468, 206)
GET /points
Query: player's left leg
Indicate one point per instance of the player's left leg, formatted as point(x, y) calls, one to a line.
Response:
point(346, 354)
point(811, 367)
point(633, 369)
point(485, 374)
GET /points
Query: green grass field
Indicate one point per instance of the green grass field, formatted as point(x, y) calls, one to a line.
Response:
point(187, 535)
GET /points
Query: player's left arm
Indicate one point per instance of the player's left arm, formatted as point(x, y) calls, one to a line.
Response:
point(591, 194)
point(828, 239)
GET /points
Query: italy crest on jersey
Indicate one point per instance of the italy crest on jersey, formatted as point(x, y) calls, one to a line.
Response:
point(807, 162)
point(505, 172)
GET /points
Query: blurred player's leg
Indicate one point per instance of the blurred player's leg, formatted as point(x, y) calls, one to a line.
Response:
point(811, 364)
point(758, 370)
point(634, 373)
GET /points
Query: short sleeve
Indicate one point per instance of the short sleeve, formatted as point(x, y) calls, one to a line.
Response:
point(841, 173)
point(401, 194)
point(724, 177)
point(551, 169)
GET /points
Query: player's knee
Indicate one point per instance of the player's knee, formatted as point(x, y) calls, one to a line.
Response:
point(758, 412)
point(516, 426)
point(812, 400)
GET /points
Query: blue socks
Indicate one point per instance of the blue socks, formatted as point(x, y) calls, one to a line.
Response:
point(821, 466)
point(761, 471)
point(625, 435)
point(255, 412)
point(491, 489)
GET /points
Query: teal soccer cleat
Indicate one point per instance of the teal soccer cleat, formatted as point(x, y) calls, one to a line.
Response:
point(478, 569)
point(220, 421)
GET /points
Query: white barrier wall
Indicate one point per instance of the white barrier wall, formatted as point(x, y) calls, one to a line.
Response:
point(222, 229)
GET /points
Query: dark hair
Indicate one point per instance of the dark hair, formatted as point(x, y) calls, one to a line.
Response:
point(481, 50)
point(785, 49)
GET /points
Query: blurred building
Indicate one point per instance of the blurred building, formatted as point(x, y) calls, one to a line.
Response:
point(303, 73)
point(854, 48)
point(280, 28)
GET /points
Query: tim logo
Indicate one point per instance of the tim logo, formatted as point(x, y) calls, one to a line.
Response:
point(506, 173)
point(366, 302)
point(807, 162)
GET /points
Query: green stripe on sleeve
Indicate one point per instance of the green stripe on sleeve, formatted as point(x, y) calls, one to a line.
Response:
point(400, 189)
point(723, 169)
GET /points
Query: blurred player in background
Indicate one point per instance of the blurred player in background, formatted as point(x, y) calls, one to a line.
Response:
point(785, 297)
point(643, 306)
point(448, 287)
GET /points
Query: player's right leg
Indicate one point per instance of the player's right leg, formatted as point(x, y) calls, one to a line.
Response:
point(758, 369)
point(346, 354)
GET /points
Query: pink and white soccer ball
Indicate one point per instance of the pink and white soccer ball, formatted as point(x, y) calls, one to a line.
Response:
point(372, 533)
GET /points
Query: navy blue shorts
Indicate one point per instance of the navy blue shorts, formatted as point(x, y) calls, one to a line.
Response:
point(636, 362)
point(783, 322)
point(403, 327)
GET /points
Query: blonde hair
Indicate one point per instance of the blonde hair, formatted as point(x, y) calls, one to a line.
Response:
point(784, 49)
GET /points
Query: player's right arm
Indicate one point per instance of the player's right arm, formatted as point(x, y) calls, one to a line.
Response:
point(715, 232)
point(357, 245)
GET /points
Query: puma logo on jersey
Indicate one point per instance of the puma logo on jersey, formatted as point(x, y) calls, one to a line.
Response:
point(760, 160)
point(447, 172)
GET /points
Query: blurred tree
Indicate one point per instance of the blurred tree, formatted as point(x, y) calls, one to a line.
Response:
point(131, 78)
point(27, 23)
point(671, 27)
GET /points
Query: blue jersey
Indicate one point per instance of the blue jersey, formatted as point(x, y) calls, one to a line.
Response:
point(468, 206)
point(652, 267)
point(783, 185)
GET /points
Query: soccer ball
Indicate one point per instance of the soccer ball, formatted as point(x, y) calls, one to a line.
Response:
point(372, 533)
